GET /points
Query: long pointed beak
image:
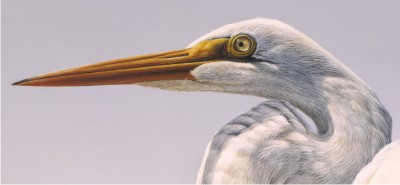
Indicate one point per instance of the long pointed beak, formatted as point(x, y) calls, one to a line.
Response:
point(173, 65)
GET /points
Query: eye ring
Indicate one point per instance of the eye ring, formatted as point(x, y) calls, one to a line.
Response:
point(241, 45)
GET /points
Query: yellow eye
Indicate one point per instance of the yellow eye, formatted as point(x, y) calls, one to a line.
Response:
point(241, 46)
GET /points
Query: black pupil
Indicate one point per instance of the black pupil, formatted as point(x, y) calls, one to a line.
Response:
point(241, 44)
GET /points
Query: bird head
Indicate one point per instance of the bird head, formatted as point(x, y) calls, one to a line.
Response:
point(261, 57)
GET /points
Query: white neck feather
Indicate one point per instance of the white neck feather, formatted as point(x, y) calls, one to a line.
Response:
point(358, 126)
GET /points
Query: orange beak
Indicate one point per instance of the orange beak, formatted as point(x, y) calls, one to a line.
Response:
point(173, 65)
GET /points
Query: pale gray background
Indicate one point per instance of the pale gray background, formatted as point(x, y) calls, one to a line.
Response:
point(130, 134)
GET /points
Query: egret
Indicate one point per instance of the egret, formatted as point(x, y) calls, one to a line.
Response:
point(273, 142)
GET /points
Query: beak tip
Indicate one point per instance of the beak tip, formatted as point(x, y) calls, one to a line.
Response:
point(21, 82)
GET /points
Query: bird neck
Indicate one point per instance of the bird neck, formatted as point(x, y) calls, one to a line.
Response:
point(351, 110)
point(352, 120)
point(358, 126)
